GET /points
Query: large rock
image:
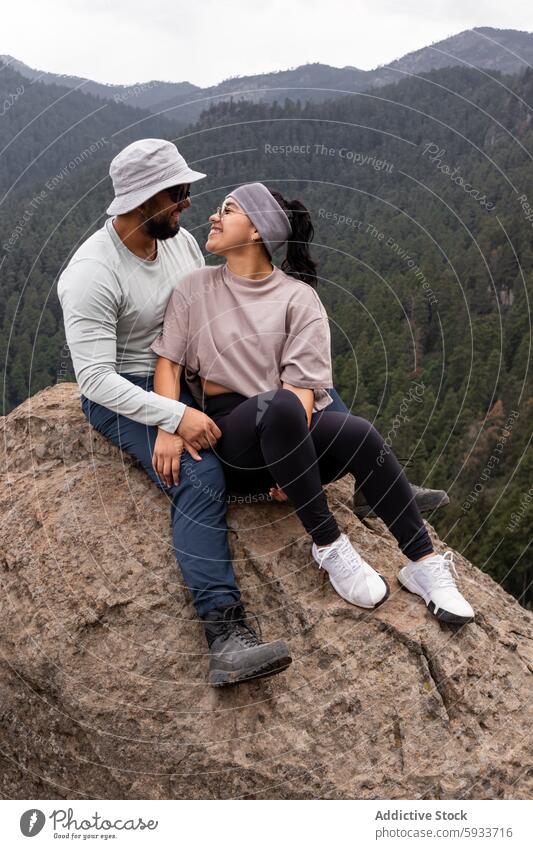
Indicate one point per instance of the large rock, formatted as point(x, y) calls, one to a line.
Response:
point(103, 671)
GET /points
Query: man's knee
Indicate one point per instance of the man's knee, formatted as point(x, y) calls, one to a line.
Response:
point(133, 438)
point(337, 405)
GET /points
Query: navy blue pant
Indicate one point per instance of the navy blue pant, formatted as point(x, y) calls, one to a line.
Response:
point(197, 503)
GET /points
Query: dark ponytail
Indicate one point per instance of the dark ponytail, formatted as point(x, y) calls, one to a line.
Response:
point(298, 262)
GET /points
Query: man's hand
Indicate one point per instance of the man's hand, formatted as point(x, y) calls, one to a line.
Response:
point(166, 458)
point(198, 429)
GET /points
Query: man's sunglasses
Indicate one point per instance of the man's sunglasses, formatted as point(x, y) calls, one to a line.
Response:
point(178, 194)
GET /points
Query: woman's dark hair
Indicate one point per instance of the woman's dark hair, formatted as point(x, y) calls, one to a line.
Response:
point(298, 262)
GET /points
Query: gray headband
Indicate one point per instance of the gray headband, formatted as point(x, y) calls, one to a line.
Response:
point(265, 213)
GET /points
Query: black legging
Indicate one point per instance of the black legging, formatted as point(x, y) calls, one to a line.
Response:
point(266, 440)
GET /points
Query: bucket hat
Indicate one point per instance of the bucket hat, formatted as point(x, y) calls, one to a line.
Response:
point(144, 168)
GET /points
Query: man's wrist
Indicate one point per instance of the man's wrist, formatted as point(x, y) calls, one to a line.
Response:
point(171, 424)
point(181, 413)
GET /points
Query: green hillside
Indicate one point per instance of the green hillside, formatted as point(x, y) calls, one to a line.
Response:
point(420, 194)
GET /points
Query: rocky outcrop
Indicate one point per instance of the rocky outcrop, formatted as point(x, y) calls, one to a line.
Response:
point(103, 661)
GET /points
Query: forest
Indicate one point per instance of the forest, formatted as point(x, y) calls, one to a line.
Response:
point(421, 195)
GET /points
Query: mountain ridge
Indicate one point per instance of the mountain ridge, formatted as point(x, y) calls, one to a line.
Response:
point(313, 82)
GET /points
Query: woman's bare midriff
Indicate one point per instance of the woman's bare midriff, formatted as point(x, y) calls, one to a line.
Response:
point(211, 388)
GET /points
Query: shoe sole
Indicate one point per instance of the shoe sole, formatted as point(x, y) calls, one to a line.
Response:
point(223, 677)
point(441, 614)
point(367, 606)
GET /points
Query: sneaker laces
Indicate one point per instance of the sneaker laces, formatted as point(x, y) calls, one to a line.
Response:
point(236, 619)
point(441, 570)
point(344, 555)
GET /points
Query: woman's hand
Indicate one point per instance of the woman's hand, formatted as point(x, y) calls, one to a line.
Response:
point(195, 428)
point(277, 494)
point(198, 429)
point(166, 458)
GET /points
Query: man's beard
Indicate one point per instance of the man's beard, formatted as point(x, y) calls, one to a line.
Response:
point(161, 228)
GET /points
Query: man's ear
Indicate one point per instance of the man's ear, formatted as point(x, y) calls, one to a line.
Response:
point(144, 210)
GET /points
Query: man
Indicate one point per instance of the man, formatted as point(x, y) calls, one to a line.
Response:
point(114, 292)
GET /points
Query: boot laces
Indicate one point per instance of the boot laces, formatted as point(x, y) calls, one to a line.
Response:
point(236, 620)
point(441, 570)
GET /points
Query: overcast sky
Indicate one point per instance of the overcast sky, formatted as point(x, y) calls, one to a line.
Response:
point(206, 41)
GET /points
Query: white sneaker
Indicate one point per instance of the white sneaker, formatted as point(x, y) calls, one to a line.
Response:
point(351, 576)
point(432, 579)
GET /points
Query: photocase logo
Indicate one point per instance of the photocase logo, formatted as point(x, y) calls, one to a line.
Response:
point(31, 822)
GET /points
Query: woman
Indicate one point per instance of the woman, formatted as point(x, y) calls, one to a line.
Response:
point(255, 344)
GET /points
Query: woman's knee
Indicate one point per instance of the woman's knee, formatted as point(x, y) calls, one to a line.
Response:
point(285, 407)
point(363, 431)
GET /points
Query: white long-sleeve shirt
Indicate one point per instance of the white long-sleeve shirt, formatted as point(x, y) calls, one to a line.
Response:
point(113, 306)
